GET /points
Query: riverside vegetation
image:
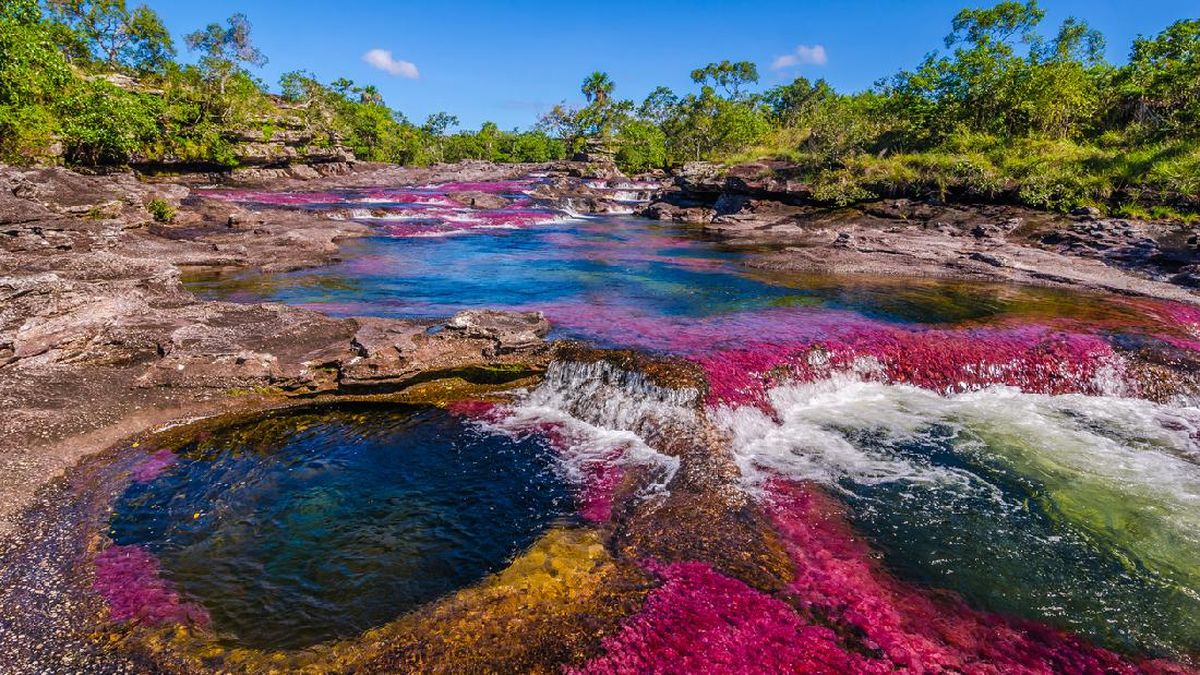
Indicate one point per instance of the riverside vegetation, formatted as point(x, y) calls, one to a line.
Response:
point(1008, 111)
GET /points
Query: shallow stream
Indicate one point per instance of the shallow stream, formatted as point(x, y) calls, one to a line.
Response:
point(1003, 444)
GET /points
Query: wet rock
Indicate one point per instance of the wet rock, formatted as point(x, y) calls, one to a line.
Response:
point(666, 211)
point(1188, 275)
point(988, 258)
point(510, 331)
point(479, 200)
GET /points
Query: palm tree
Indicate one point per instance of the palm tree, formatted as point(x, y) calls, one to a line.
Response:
point(597, 88)
point(370, 95)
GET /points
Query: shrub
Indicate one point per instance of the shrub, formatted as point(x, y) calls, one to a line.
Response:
point(162, 210)
point(103, 124)
point(839, 188)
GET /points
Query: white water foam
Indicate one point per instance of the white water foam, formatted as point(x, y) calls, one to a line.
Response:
point(605, 415)
point(1125, 471)
point(1125, 441)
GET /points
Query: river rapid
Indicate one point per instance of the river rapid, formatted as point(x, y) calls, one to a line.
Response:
point(958, 476)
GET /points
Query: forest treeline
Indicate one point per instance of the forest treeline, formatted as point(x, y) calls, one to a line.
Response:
point(1008, 108)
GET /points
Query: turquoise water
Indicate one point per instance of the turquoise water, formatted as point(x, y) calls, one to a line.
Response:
point(1023, 471)
point(300, 528)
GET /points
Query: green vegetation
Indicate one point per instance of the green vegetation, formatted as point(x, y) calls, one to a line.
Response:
point(94, 82)
point(161, 210)
point(1007, 111)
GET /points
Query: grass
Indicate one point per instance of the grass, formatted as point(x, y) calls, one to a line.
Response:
point(1159, 180)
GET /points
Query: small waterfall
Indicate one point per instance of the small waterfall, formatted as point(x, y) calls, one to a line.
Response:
point(605, 395)
point(602, 415)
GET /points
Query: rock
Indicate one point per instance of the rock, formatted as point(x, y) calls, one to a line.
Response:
point(1188, 275)
point(1087, 212)
point(666, 211)
point(988, 258)
point(479, 200)
point(728, 204)
point(510, 331)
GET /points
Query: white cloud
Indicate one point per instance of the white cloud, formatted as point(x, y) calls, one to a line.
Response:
point(804, 55)
point(383, 60)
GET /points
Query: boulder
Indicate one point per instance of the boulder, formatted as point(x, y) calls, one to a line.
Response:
point(479, 200)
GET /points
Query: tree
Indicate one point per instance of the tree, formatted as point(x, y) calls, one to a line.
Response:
point(660, 105)
point(119, 38)
point(224, 48)
point(370, 95)
point(643, 146)
point(104, 124)
point(791, 103)
point(564, 123)
point(728, 76)
point(1163, 77)
point(601, 117)
point(435, 127)
point(709, 126)
point(33, 77)
point(1064, 79)
point(597, 88)
point(996, 26)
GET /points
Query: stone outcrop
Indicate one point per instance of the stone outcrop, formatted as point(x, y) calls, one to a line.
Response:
point(766, 204)
point(99, 340)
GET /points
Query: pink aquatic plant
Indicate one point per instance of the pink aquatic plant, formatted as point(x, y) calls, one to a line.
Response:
point(700, 621)
point(130, 580)
point(599, 491)
point(842, 613)
point(153, 466)
point(1031, 358)
point(836, 576)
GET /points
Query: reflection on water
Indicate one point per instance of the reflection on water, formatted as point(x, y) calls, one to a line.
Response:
point(628, 270)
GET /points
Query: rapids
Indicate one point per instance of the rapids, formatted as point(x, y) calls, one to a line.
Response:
point(1014, 465)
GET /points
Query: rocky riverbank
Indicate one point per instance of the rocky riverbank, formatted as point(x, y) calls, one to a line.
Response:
point(99, 340)
point(101, 345)
point(762, 205)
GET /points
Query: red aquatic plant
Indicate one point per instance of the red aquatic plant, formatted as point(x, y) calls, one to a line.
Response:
point(908, 627)
point(1031, 358)
point(130, 580)
point(700, 621)
point(842, 613)
point(153, 466)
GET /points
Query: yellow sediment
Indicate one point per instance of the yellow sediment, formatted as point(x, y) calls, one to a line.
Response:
point(551, 606)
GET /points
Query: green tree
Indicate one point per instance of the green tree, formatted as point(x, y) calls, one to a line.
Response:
point(660, 105)
point(727, 75)
point(597, 88)
point(435, 128)
point(225, 48)
point(104, 124)
point(642, 146)
point(120, 38)
point(33, 77)
point(1162, 80)
point(564, 123)
point(793, 103)
point(708, 126)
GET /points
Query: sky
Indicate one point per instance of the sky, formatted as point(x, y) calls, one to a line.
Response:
point(508, 62)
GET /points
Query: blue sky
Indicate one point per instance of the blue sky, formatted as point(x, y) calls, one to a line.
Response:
point(508, 61)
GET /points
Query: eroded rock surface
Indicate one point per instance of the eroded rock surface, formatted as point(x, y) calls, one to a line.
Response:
point(763, 204)
point(99, 339)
